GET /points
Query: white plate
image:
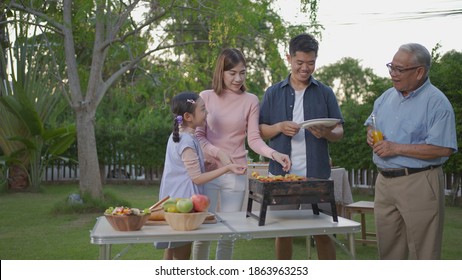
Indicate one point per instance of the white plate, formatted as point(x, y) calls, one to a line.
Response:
point(324, 122)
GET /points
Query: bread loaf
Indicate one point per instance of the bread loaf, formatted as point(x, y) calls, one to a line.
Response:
point(157, 215)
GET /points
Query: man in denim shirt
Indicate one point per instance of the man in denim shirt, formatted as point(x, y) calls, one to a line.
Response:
point(418, 125)
point(286, 104)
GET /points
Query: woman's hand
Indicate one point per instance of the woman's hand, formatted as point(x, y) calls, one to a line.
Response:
point(224, 158)
point(283, 160)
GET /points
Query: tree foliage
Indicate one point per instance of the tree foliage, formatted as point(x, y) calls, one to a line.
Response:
point(104, 42)
point(120, 70)
point(30, 103)
point(250, 26)
point(446, 74)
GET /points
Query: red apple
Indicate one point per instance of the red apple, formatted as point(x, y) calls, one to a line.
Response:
point(201, 202)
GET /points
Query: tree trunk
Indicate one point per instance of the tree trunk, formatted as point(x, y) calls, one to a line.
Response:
point(102, 172)
point(17, 178)
point(90, 180)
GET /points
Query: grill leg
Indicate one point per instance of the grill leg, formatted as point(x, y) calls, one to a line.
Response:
point(315, 208)
point(264, 206)
point(334, 211)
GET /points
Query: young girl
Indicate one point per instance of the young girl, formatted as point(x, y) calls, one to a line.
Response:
point(184, 172)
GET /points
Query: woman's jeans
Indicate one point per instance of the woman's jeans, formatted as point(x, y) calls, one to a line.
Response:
point(226, 194)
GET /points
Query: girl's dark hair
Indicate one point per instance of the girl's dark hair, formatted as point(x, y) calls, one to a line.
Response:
point(182, 103)
point(227, 60)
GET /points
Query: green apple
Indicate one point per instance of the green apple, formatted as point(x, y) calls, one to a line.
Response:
point(170, 205)
point(184, 205)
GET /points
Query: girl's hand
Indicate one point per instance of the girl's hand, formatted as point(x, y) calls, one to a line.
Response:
point(283, 160)
point(237, 169)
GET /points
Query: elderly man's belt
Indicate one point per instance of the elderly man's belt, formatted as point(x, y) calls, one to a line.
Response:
point(392, 173)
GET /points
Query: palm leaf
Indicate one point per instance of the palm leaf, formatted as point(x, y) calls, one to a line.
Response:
point(24, 111)
point(30, 104)
point(60, 139)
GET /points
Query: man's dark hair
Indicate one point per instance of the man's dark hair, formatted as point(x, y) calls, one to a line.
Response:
point(303, 43)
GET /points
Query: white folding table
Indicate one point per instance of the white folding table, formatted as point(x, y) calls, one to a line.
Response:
point(229, 226)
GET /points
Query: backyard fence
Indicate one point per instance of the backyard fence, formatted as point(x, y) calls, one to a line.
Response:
point(68, 171)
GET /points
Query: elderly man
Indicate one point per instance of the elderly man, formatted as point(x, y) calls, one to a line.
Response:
point(418, 125)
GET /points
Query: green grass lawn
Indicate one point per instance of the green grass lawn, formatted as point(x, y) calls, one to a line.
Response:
point(29, 230)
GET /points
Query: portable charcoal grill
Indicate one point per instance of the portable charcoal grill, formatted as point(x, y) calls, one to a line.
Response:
point(312, 191)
